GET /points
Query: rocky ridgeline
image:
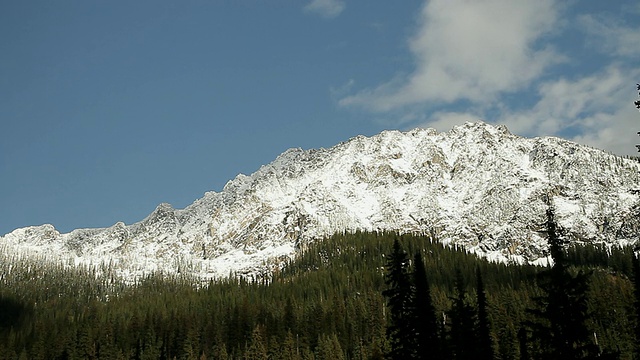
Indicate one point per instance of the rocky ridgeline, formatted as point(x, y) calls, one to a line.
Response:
point(476, 185)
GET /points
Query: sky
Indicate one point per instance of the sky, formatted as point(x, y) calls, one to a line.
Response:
point(109, 108)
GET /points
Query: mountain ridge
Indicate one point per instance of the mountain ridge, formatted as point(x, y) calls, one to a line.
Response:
point(477, 185)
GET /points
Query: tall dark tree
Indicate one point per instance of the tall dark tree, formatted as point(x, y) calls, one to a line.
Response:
point(636, 290)
point(636, 271)
point(562, 312)
point(329, 348)
point(463, 323)
point(256, 349)
point(485, 343)
point(427, 342)
point(523, 341)
point(399, 294)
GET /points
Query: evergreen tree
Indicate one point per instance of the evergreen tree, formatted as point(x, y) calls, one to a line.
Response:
point(427, 343)
point(636, 272)
point(256, 349)
point(11, 313)
point(329, 348)
point(220, 351)
point(485, 344)
point(636, 291)
point(562, 311)
point(399, 297)
point(523, 340)
point(289, 349)
point(463, 323)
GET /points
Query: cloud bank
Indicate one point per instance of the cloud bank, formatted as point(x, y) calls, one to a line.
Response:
point(471, 50)
point(506, 61)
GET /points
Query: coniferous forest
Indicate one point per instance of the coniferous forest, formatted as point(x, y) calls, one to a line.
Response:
point(351, 296)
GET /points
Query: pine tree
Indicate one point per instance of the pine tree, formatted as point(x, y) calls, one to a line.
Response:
point(399, 297)
point(329, 348)
point(256, 349)
point(463, 323)
point(523, 340)
point(485, 345)
point(425, 324)
point(220, 351)
point(562, 311)
point(636, 291)
point(289, 349)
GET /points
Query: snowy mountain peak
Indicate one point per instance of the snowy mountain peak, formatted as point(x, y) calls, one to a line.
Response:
point(477, 185)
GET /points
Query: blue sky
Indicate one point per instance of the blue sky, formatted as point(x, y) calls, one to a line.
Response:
point(108, 108)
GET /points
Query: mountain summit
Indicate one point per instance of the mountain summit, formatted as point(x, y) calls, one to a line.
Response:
point(476, 185)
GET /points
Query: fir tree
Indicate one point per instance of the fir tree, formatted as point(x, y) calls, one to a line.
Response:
point(427, 343)
point(523, 340)
point(329, 348)
point(562, 311)
point(463, 323)
point(256, 349)
point(289, 349)
point(220, 351)
point(485, 344)
point(399, 297)
point(636, 291)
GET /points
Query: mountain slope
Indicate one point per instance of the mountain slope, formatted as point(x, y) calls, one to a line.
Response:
point(476, 185)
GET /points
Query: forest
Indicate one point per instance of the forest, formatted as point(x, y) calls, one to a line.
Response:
point(351, 296)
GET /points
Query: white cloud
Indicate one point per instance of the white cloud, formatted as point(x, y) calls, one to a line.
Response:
point(473, 58)
point(325, 8)
point(469, 50)
point(486, 60)
point(597, 109)
point(338, 92)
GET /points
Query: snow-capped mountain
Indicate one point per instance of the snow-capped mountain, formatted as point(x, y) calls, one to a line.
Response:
point(476, 185)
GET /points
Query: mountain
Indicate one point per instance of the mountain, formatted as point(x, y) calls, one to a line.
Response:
point(476, 185)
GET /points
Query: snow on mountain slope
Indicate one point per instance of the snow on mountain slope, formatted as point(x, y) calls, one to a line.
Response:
point(476, 185)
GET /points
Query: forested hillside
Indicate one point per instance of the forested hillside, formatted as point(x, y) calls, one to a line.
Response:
point(327, 304)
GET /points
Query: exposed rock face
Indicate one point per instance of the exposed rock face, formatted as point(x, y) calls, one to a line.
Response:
point(476, 185)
